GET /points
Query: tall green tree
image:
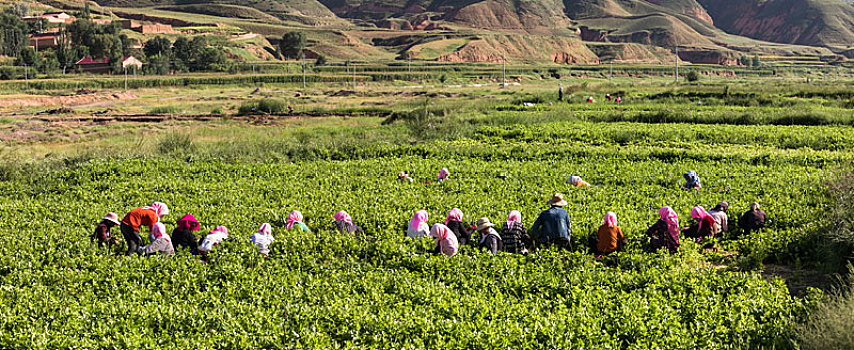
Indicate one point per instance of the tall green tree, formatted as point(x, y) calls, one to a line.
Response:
point(292, 44)
point(158, 46)
point(13, 34)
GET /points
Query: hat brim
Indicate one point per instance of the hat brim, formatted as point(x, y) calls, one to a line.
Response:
point(561, 203)
point(112, 220)
point(483, 226)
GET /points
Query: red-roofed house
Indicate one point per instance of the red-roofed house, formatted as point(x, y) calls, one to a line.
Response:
point(91, 65)
point(43, 40)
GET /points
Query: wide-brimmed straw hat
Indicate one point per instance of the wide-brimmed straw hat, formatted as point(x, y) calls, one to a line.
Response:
point(483, 223)
point(112, 217)
point(557, 200)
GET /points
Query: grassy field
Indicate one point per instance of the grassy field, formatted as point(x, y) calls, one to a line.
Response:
point(774, 140)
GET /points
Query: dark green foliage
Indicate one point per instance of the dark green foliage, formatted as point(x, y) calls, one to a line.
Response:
point(265, 106)
point(292, 44)
point(157, 46)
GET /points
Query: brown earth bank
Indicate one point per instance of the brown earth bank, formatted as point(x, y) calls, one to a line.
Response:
point(82, 98)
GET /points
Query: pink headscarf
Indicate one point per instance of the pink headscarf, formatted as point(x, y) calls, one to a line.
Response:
point(444, 173)
point(265, 229)
point(293, 218)
point(610, 219)
point(668, 215)
point(454, 215)
point(188, 223)
point(699, 213)
point(514, 217)
point(342, 215)
point(157, 230)
point(220, 229)
point(419, 218)
point(448, 243)
point(160, 208)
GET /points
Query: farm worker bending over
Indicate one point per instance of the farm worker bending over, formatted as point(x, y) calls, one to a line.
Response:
point(446, 242)
point(160, 241)
point(182, 235)
point(404, 177)
point(219, 234)
point(345, 224)
point(692, 180)
point(444, 174)
point(102, 233)
point(295, 219)
point(752, 220)
point(719, 214)
point(705, 226)
point(610, 235)
point(590, 99)
point(143, 216)
point(514, 236)
point(263, 238)
point(418, 225)
point(489, 238)
point(665, 232)
point(454, 221)
point(552, 227)
point(578, 182)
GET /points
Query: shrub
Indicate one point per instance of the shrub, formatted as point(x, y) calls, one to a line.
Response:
point(265, 106)
point(692, 76)
point(166, 110)
point(830, 325)
point(175, 142)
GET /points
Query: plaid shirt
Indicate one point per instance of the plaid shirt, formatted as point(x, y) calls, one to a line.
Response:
point(514, 237)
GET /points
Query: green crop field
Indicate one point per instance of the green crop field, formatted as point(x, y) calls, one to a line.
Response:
point(779, 143)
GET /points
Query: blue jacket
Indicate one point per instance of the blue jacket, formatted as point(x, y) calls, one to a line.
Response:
point(551, 224)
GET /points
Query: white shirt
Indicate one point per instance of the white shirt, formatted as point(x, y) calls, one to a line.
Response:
point(422, 231)
point(210, 240)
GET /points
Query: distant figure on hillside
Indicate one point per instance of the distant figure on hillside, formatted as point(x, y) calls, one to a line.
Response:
point(578, 182)
point(608, 97)
point(752, 220)
point(704, 226)
point(489, 238)
point(183, 236)
point(719, 214)
point(262, 239)
point(160, 241)
point(692, 180)
point(446, 242)
point(102, 233)
point(619, 99)
point(665, 232)
point(514, 236)
point(560, 92)
point(216, 236)
point(418, 227)
point(404, 177)
point(589, 99)
point(454, 221)
point(610, 236)
point(295, 219)
point(444, 174)
point(142, 216)
point(552, 227)
point(344, 223)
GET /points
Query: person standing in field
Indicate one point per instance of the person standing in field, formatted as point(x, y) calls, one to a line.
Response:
point(216, 236)
point(446, 242)
point(182, 235)
point(160, 241)
point(610, 236)
point(489, 238)
point(752, 220)
point(344, 223)
point(295, 219)
point(719, 214)
point(142, 216)
point(444, 174)
point(553, 227)
point(454, 221)
point(262, 239)
point(705, 226)
point(418, 226)
point(665, 232)
point(578, 182)
point(692, 180)
point(102, 233)
point(560, 92)
point(514, 236)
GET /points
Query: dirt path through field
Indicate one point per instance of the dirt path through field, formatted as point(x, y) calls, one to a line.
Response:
point(85, 99)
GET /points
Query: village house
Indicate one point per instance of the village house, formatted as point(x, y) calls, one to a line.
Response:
point(44, 40)
point(91, 65)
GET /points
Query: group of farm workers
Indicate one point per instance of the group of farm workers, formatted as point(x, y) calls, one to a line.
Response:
point(551, 228)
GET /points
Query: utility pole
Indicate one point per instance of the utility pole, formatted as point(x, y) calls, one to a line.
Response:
point(354, 78)
point(27, 75)
point(126, 79)
point(677, 62)
point(303, 70)
point(503, 69)
point(410, 64)
point(610, 72)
